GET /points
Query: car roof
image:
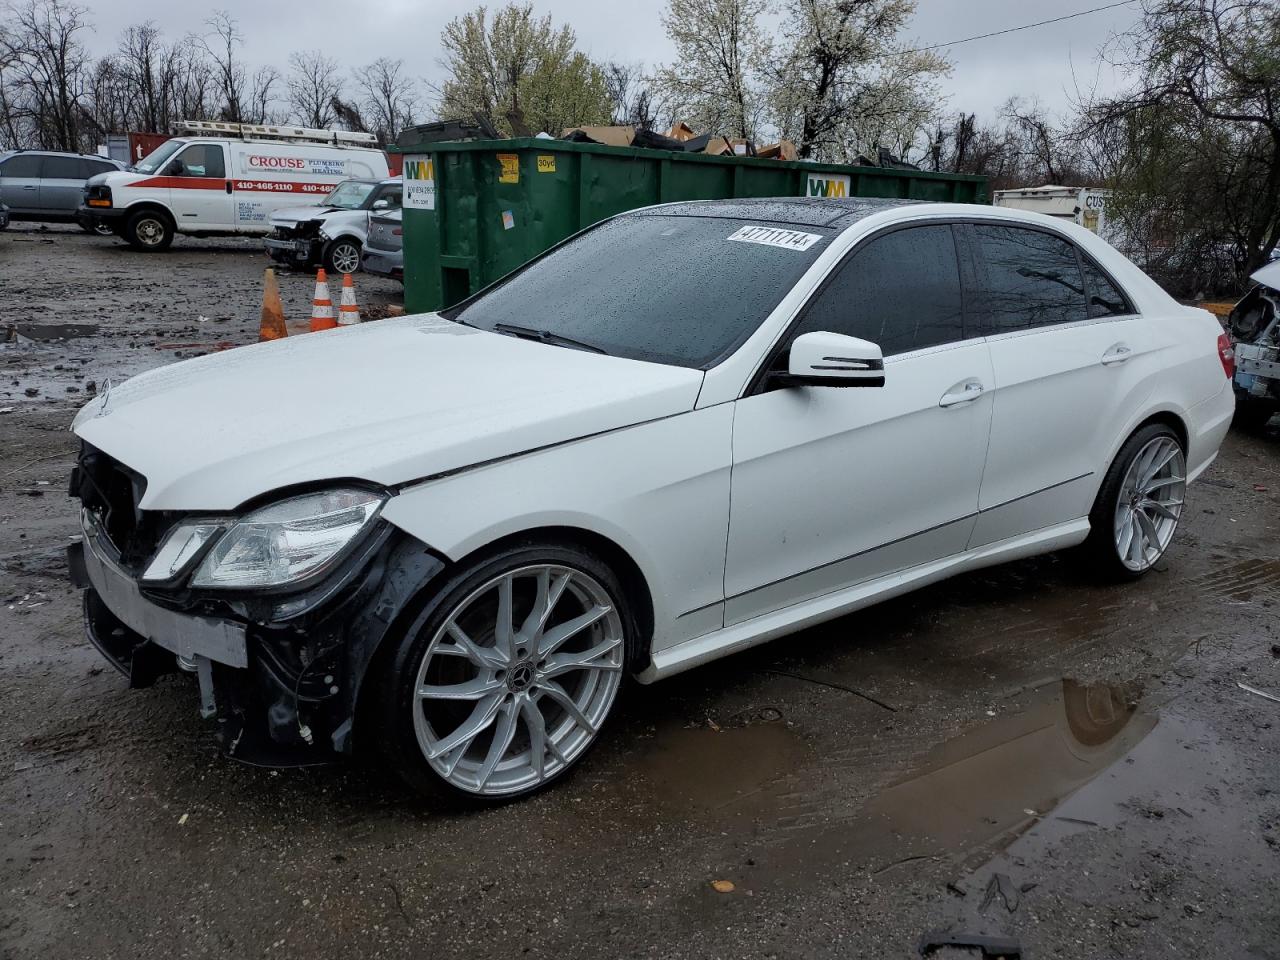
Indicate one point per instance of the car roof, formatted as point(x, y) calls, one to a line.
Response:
point(59, 153)
point(802, 211)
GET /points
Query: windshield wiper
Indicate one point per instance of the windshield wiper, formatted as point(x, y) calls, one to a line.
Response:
point(544, 336)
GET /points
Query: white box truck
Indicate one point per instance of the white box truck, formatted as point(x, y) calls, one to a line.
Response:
point(1086, 206)
point(224, 179)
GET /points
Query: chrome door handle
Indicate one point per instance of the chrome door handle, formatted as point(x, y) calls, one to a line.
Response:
point(967, 393)
point(1116, 354)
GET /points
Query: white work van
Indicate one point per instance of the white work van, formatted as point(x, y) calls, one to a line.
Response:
point(1086, 206)
point(225, 178)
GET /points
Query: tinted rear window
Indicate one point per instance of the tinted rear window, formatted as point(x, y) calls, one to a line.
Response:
point(1033, 279)
point(667, 289)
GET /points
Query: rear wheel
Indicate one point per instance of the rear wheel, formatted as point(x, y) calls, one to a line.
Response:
point(503, 682)
point(1138, 507)
point(342, 256)
point(149, 231)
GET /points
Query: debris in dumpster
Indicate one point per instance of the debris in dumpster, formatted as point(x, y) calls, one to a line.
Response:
point(610, 136)
point(1259, 693)
point(995, 948)
point(272, 325)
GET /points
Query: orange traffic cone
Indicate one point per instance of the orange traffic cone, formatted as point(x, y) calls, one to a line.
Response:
point(272, 326)
point(321, 305)
point(348, 312)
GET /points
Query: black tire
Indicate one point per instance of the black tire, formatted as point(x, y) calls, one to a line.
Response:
point(1099, 550)
point(342, 256)
point(149, 231)
point(1253, 413)
point(396, 700)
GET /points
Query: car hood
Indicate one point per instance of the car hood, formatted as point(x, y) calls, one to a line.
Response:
point(292, 216)
point(388, 402)
point(1268, 276)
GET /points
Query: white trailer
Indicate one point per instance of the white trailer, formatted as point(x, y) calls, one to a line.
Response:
point(1086, 206)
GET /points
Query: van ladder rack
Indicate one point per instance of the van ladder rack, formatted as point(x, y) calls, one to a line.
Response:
point(263, 131)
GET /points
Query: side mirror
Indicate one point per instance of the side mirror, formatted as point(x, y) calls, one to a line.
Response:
point(822, 359)
point(383, 204)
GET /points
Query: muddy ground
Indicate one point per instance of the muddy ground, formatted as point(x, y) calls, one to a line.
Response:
point(1021, 753)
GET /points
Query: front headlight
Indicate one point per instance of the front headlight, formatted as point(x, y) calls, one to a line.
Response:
point(287, 541)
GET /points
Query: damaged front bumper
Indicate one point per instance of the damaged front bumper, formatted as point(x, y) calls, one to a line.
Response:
point(300, 250)
point(281, 680)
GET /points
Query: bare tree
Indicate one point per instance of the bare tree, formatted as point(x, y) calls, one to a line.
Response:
point(387, 99)
point(48, 73)
point(221, 45)
point(315, 82)
point(1200, 129)
point(633, 101)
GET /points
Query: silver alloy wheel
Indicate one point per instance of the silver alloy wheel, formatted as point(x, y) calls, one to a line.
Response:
point(345, 257)
point(103, 229)
point(517, 682)
point(150, 232)
point(1150, 503)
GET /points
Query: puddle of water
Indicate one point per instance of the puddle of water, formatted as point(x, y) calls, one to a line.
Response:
point(728, 773)
point(982, 790)
point(46, 332)
point(969, 797)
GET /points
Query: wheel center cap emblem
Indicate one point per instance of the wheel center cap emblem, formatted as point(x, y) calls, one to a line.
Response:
point(521, 676)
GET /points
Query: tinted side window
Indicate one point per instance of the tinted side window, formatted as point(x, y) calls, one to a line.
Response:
point(63, 168)
point(1104, 299)
point(25, 165)
point(901, 291)
point(202, 160)
point(96, 167)
point(1033, 279)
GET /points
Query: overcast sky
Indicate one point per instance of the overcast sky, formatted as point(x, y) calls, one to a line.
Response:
point(1039, 62)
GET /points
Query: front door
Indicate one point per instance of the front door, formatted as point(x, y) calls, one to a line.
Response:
point(833, 486)
point(201, 193)
point(1071, 361)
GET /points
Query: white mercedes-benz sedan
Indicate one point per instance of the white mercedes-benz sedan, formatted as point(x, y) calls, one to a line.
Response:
point(688, 430)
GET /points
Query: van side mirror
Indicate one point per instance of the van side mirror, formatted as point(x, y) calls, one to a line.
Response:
point(822, 359)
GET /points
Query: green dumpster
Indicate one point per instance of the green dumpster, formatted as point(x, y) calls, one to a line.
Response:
point(476, 210)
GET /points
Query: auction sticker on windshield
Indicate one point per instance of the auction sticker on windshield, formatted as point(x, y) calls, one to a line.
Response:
point(776, 237)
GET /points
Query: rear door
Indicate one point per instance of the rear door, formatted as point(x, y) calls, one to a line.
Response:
point(834, 486)
point(20, 183)
point(61, 184)
point(200, 189)
point(1072, 362)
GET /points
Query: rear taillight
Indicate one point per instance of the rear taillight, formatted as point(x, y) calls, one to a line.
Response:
point(396, 232)
point(1227, 355)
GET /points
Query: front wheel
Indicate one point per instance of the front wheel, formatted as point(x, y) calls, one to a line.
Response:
point(342, 256)
point(149, 231)
point(100, 227)
point(1139, 504)
point(504, 680)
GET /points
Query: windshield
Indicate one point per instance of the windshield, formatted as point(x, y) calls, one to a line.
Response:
point(349, 195)
point(154, 160)
point(685, 291)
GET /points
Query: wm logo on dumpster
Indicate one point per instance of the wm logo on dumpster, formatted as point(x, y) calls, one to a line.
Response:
point(422, 169)
point(829, 185)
